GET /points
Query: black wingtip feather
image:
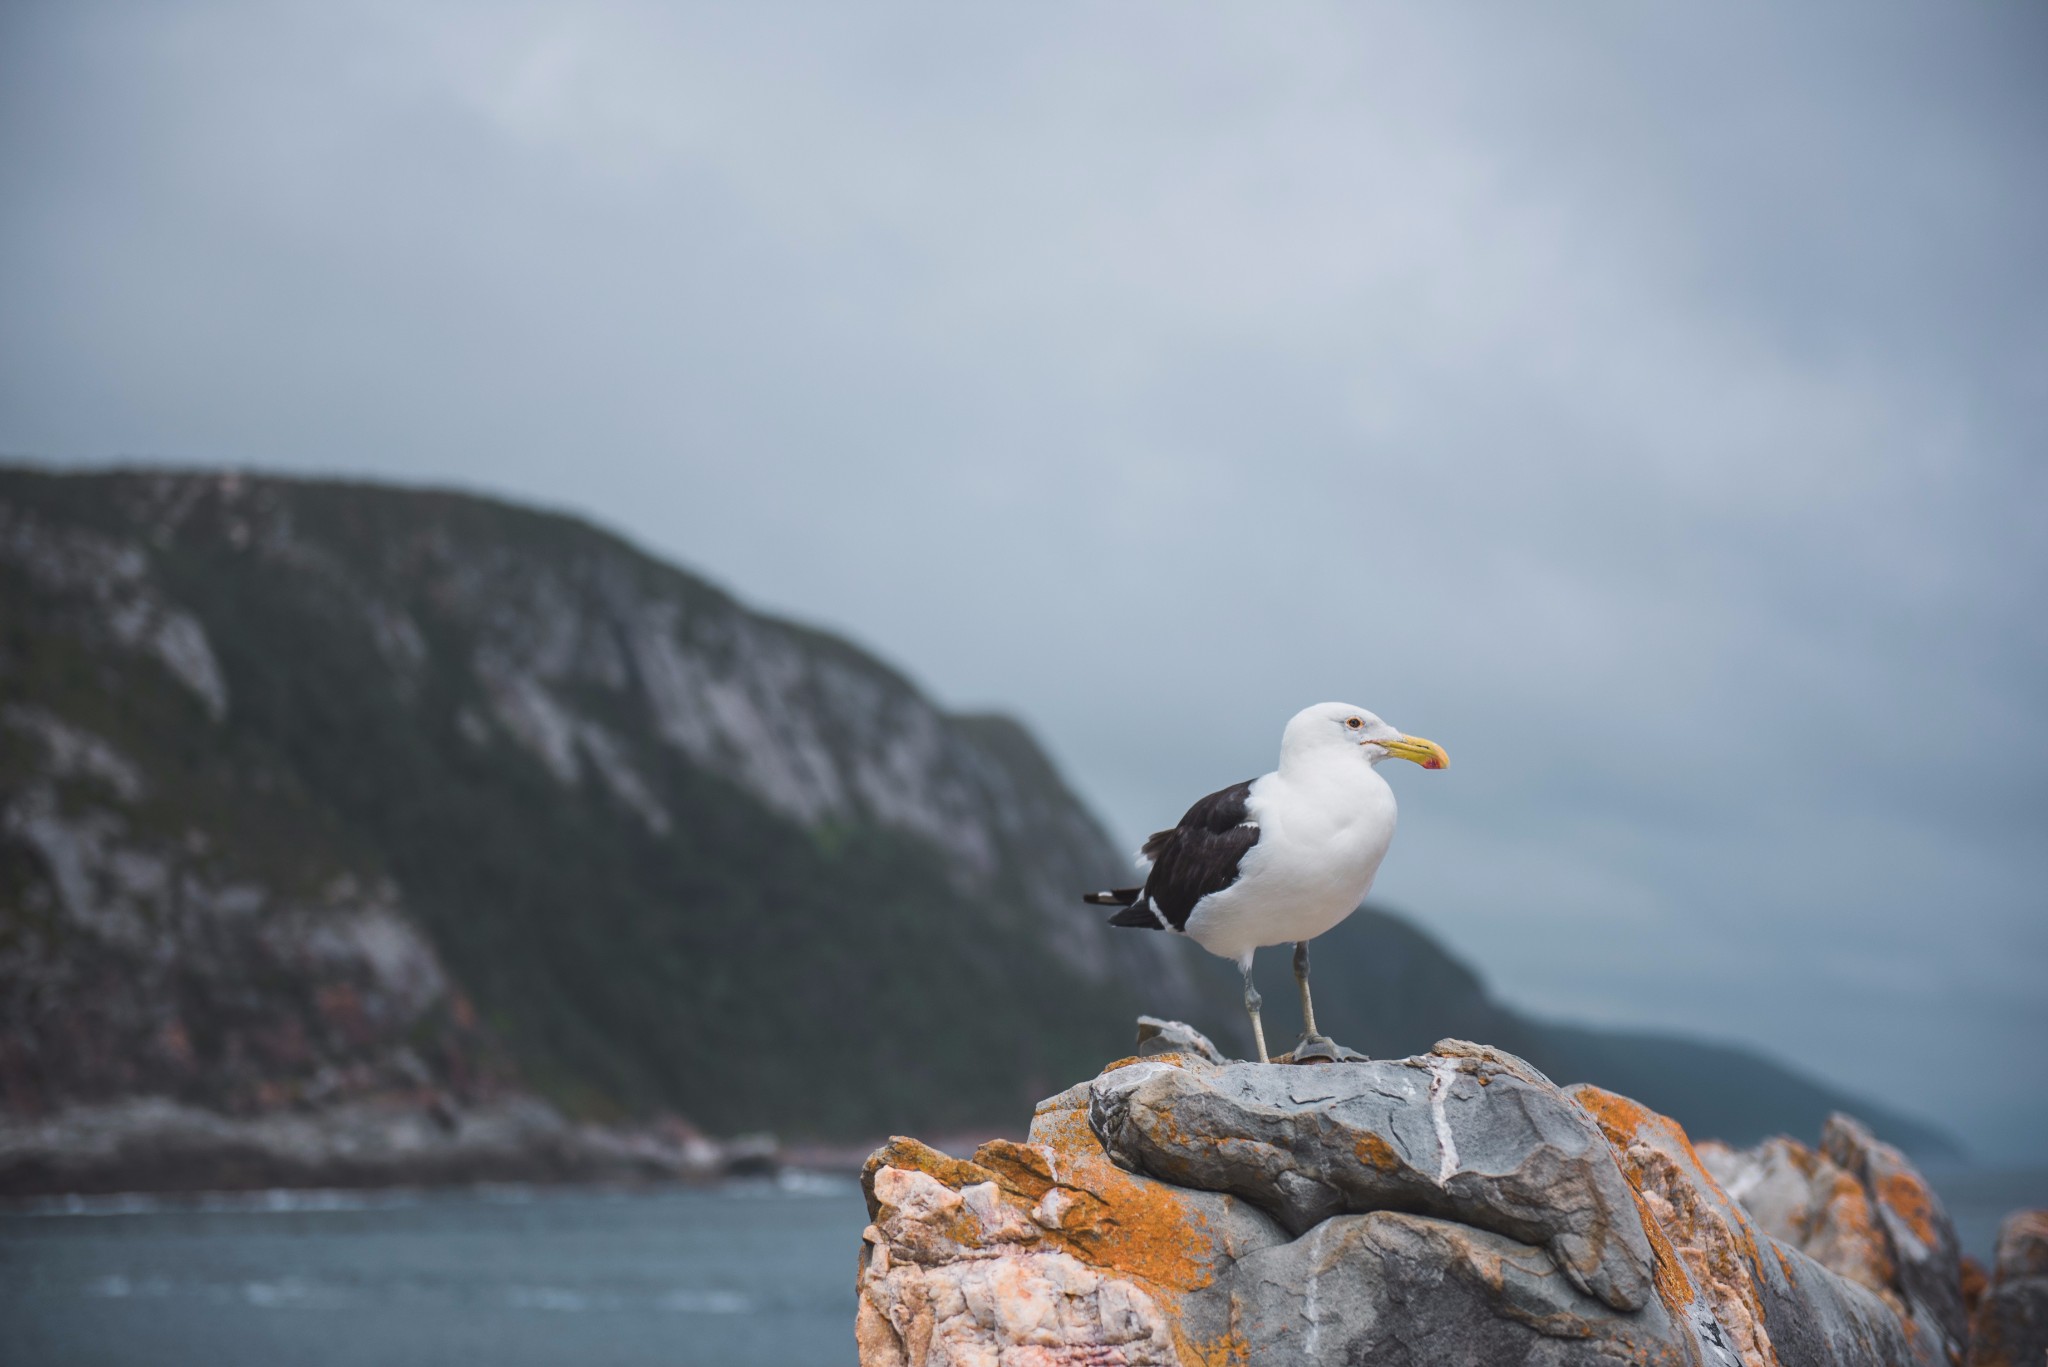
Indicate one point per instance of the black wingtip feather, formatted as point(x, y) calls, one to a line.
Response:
point(1112, 897)
point(1137, 917)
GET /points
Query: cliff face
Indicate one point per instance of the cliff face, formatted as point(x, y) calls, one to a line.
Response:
point(311, 793)
point(1455, 1206)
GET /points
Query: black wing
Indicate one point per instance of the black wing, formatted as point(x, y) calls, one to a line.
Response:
point(1194, 859)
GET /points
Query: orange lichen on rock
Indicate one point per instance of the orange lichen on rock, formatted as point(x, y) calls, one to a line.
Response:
point(1073, 1197)
point(1626, 1121)
point(1668, 1272)
point(1044, 1247)
point(1801, 1196)
point(1841, 1228)
point(915, 1155)
point(1377, 1154)
point(1976, 1281)
point(1912, 1211)
point(2009, 1311)
point(1139, 1225)
point(1228, 1350)
point(965, 1258)
point(2023, 1244)
point(1028, 1170)
point(1685, 1208)
point(1906, 1194)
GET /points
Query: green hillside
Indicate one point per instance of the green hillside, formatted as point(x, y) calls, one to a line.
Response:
point(727, 961)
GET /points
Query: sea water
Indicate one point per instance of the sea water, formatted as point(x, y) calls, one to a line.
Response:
point(749, 1275)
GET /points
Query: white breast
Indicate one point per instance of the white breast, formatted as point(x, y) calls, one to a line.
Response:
point(1321, 839)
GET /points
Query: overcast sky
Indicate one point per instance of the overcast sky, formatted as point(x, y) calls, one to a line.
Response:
point(1645, 401)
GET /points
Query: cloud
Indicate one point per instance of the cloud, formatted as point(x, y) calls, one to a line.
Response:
point(1644, 403)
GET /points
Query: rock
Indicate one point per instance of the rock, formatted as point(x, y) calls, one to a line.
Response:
point(1926, 1255)
point(1976, 1281)
point(2010, 1327)
point(1427, 1136)
point(1800, 1197)
point(1765, 1301)
point(1042, 1244)
point(1455, 1207)
point(1156, 1036)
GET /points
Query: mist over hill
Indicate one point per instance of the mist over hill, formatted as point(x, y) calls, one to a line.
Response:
point(316, 792)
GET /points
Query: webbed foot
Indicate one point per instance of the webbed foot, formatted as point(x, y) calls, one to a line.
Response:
point(1322, 1049)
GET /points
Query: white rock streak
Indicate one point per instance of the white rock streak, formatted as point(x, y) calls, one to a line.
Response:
point(1311, 1309)
point(1442, 1073)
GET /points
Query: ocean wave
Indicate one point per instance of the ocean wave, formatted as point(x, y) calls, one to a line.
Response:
point(797, 1182)
point(682, 1300)
point(788, 1182)
point(706, 1302)
point(274, 1201)
point(306, 1293)
point(285, 1293)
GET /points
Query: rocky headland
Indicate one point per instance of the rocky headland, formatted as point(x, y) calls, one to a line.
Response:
point(352, 835)
point(1452, 1207)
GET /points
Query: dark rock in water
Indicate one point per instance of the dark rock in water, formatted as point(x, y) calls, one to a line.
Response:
point(1454, 1207)
point(2010, 1327)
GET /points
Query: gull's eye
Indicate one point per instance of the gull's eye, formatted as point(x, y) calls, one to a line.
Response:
point(1355, 723)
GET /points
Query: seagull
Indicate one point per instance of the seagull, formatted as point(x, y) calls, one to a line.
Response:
point(1282, 857)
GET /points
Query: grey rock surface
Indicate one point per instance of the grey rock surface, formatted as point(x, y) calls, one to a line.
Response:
point(1465, 1139)
point(1800, 1197)
point(1817, 1318)
point(1395, 1287)
point(1156, 1036)
point(1926, 1255)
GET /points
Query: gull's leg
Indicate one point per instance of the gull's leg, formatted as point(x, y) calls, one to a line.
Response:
point(1308, 1007)
point(1251, 1005)
point(1315, 1047)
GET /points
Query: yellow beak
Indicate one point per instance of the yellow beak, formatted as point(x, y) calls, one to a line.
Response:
point(1426, 753)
